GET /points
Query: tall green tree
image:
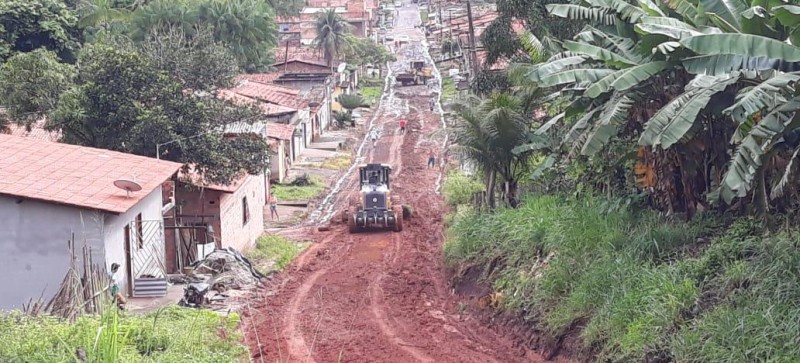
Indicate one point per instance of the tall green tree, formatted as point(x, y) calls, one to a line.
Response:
point(197, 62)
point(246, 27)
point(364, 51)
point(31, 83)
point(122, 101)
point(27, 25)
point(501, 39)
point(286, 7)
point(332, 31)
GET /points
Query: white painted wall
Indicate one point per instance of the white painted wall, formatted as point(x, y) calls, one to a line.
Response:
point(150, 208)
point(234, 233)
point(34, 256)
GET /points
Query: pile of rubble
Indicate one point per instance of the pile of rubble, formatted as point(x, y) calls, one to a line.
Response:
point(221, 275)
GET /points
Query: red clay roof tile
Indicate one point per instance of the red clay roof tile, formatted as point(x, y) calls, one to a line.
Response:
point(271, 93)
point(280, 131)
point(76, 175)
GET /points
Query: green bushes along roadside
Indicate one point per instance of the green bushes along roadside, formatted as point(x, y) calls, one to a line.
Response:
point(631, 285)
point(171, 335)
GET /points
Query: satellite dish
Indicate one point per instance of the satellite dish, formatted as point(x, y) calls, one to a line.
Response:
point(341, 67)
point(128, 186)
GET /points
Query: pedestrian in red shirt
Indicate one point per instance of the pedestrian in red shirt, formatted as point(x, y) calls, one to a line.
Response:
point(402, 126)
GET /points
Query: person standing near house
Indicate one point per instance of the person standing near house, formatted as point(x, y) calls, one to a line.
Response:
point(273, 206)
point(402, 125)
point(431, 159)
point(116, 282)
point(445, 158)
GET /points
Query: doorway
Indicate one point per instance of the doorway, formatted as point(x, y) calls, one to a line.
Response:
point(128, 261)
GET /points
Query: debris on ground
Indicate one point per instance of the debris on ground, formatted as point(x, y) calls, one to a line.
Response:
point(214, 277)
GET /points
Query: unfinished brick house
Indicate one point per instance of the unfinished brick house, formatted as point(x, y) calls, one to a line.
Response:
point(209, 216)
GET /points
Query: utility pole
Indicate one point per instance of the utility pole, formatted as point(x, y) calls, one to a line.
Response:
point(441, 22)
point(473, 57)
point(286, 56)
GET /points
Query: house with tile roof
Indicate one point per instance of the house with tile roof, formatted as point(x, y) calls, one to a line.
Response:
point(50, 192)
point(315, 88)
point(303, 129)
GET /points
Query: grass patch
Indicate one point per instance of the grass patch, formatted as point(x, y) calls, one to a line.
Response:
point(372, 94)
point(642, 287)
point(339, 162)
point(448, 89)
point(299, 192)
point(567, 260)
point(170, 335)
point(459, 188)
point(277, 251)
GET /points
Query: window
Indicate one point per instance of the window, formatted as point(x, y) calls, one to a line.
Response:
point(139, 231)
point(245, 211)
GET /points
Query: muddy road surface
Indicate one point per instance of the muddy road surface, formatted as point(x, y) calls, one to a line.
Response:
point(379, 296)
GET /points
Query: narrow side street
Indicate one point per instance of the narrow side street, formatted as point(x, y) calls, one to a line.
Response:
point(378, 296)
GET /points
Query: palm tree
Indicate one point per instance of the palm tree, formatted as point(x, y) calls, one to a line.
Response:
point(493, 134)
point(246, 27)
point(332, 31)
point(94, 13)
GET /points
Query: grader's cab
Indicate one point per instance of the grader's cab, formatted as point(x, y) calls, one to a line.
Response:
point(374, 206)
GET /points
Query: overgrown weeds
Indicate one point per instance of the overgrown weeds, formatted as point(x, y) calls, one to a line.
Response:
point(314, 188)
point(275, 252)
point(171, 335)
point(339, 162)
point(630, 284)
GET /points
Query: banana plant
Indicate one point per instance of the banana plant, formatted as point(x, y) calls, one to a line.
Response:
point(690, 58)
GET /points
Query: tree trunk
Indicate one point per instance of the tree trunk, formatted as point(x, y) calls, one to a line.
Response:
point(511, 189)
point(491, 180)
point(760, 199)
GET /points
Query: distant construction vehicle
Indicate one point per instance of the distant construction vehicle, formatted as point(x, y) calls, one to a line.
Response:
point(416, 74)
point(374, 206)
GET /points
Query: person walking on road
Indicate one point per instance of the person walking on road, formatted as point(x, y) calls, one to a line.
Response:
point(402, 125)
point(373, 135)
point(433, 104)
point(431, 159)
point(445, 158)
point(273, 207)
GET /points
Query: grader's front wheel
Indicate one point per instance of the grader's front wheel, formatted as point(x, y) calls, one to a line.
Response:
point(398, 218)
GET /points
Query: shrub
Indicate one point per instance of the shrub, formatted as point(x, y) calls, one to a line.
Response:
point(171, 335)
point(459, 188)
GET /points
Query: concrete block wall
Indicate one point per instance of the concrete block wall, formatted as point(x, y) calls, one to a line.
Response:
point(236, 233)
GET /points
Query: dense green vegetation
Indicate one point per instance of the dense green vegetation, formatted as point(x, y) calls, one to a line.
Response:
point(687, 109)
point(171, 335)
point(631, 284)
point(130, 76)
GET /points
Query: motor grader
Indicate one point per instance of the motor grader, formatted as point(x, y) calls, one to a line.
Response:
point(416, 74)
point(374, 206)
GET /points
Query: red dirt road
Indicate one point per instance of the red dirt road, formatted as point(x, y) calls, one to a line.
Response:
point(378, 296)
